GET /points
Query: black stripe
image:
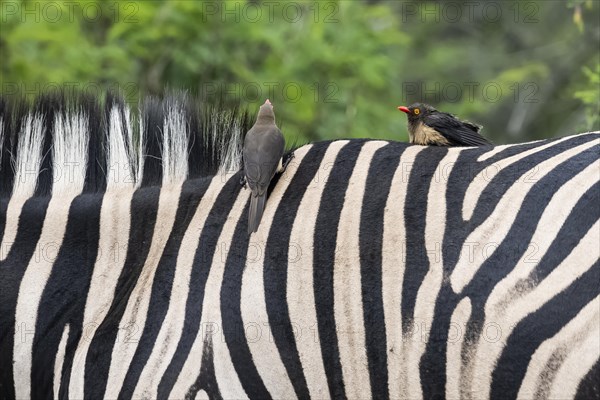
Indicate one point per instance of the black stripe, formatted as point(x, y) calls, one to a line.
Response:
point(207, 246)
point(231, 314)
point(6, 170)
point(415, 212)
point(153, 136)
point(12, 113)
point(144, 207)
point(95, 173)
point(204, 150)
point(198, 148)
point(537, 327)
point(207, 380)
point(276, 265)
point(12, 270)
point(49, 106)
point(64, 296)
point(589, 387)
point(162, 287)
point(325, 238)
point(377, 190)
point(115, 101)
point(3, 210)
point(433, 375)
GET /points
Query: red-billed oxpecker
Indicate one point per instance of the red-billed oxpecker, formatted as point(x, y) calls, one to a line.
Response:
point(428, 126)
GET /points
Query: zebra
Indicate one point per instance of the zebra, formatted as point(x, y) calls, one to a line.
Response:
point(380, 269)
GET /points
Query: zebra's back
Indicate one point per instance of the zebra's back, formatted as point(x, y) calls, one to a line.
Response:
point(379, 270)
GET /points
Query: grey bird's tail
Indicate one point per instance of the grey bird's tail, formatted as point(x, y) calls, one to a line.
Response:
point(257, 206)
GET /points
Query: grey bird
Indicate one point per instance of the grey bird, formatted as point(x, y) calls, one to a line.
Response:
point(428, 126)
point(263, 152)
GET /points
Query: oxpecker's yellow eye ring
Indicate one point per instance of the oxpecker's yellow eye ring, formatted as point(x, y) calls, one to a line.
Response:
point(417, 111)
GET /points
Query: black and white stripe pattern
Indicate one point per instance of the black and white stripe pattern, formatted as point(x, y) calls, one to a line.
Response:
point(380, 269)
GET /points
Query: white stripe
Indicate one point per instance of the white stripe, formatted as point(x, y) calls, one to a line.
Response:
point(29, 156)
point(435, 225)
point(193, 363)
point(393, 265)
point(573, 338)
point(175, 143)
point(29, 159)
point(504, 320)
point(69, 153)
point(115, 218)
point(300, 291)
point(230, 150)
point(32, 286)
point(253, 307)
point(348, 307)
point(483, 178)
point(494, 229)
point(141, 152)
point(60, 359)
point(135, 315)
point(456, 338)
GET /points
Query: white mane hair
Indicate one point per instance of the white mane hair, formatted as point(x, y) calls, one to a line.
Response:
point(64, 142)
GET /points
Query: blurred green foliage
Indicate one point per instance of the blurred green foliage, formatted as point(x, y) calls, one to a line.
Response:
point(591, 96)
point(524, 69)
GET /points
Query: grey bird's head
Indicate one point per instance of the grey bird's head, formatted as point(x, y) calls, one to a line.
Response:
point(266, 116)
point(416, 112)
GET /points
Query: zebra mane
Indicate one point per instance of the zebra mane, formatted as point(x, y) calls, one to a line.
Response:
point(63, 141)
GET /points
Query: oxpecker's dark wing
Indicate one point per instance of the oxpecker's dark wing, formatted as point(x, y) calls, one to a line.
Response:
point(456, 131)
point(263, 149)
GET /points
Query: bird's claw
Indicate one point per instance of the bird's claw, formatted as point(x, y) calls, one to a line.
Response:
point(243, 181)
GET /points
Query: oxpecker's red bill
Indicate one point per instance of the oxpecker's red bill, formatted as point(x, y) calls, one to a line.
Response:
point(404, 109)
